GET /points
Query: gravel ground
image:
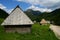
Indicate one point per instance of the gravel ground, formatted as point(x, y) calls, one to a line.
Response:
point(56, 30)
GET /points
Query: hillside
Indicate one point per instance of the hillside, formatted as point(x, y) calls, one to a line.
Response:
point(3, 15)
point(37, 15)
point(33, 14)
point(44, 15)
point(55, 15)
point(52, 16)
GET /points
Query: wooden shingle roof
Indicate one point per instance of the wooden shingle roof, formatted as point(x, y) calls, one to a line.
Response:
point(17, 17)
point(43, 21)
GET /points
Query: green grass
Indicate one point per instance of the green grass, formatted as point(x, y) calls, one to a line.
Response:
point(39, 32)
point(1, 20)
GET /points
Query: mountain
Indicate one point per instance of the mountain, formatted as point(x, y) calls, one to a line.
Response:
point(3, 14)
point(52, 16)
point(44, 15)
point(33, 14)
point(56, 16)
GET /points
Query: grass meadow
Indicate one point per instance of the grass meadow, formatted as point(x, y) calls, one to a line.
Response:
point(38, 32)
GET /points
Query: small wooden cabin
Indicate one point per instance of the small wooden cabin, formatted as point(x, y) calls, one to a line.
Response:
point(43, 22)
point(17, 21)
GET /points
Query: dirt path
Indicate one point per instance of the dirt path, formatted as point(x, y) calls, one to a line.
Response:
point(56, 30)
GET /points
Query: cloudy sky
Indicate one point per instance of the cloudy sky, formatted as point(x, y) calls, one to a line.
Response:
point(40, 5)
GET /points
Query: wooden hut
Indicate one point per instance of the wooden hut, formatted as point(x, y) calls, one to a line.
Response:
point(17, 21)
point(43, 22)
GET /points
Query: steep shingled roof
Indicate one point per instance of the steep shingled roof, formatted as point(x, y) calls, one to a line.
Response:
point(17, 17)
point(43, 21)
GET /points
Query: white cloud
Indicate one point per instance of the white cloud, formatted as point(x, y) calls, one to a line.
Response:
point(2, 6)
point(46, 3)
point(5, 8)
point(39, 9)
point(42, 2)
point(30, 1)
point(8, 10)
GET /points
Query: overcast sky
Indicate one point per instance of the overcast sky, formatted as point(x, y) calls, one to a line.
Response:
point(40, 5)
